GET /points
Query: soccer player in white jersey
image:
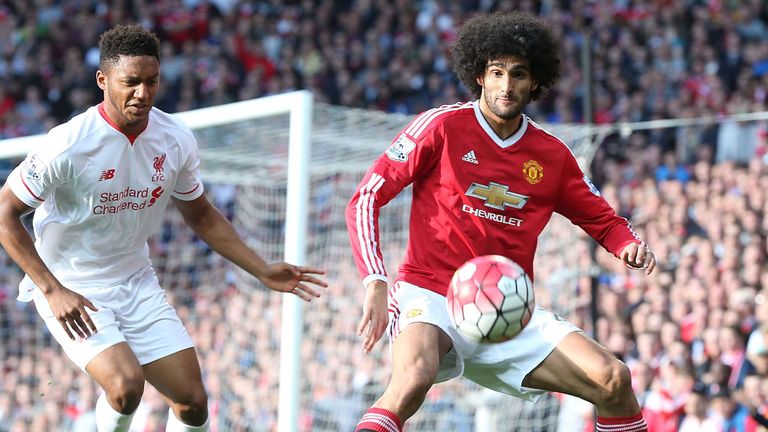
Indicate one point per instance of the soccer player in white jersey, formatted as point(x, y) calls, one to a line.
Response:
point(486, 180)
point(100, 186)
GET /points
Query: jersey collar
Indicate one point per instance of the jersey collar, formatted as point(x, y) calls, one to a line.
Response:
point(503, 143)
point(131, 137)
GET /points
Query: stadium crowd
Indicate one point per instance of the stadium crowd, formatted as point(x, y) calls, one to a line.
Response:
point(695, 335)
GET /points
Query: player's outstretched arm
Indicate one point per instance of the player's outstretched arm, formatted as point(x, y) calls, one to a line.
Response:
point(639, 256)
point(215, 230)
point(67, 306)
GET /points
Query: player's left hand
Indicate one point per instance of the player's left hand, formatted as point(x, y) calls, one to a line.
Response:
point(293, 279)
point(639, 256)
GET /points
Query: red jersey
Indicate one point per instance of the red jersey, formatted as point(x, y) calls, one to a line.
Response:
point(474, 194)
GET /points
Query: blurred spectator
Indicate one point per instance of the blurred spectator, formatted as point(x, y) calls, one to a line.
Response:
point(757, 351)
point(691, 60)
point(698, 193)
point(728, 413)
point(696, 418)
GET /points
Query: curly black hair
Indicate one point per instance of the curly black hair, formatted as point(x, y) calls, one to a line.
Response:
point(127, 40)
point(487, 37)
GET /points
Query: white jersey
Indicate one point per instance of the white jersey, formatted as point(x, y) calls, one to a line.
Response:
point(100, 194)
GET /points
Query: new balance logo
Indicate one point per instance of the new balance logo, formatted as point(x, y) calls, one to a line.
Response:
point(107, 175)
point(470, 157)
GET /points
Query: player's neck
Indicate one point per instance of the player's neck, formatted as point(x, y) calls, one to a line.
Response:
point(129, 130)
point(504, 128)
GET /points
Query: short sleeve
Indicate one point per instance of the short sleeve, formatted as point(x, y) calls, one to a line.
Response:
point(189, 185)
point(38, 175)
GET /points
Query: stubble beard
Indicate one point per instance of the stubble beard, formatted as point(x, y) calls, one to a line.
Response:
point(507, 113)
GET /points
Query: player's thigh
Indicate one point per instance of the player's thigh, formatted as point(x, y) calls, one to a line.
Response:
point(83, 351)
point(177, 377)
point(117, 370)
point(419, 328)
point(577, 366)
point(418, 348)
point(149, 322)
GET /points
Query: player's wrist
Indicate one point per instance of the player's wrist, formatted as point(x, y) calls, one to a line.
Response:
point(377, 285)
point(49, 289)
point(380, 280)
point(259, 268)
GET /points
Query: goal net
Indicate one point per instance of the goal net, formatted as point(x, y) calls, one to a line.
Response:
point(237, 324)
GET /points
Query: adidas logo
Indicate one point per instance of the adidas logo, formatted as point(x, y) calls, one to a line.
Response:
point(470, 157)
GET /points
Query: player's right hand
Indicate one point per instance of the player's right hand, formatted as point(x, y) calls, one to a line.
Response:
point(69, 309)
point(639, 256)
point(375, 315)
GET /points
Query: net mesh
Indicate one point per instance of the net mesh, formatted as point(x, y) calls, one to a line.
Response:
point(236, 323)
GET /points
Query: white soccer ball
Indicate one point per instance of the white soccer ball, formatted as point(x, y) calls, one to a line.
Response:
point(490, 299)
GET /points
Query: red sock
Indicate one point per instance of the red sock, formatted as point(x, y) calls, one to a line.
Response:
point(379, 420)
point(634, 423)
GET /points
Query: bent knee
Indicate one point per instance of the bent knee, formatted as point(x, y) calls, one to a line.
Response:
point(421, 378)
point(124, 392)
point(412, 383)
point(614, 384)
point(193, 404)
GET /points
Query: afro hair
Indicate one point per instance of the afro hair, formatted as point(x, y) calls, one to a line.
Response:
point(486, 37)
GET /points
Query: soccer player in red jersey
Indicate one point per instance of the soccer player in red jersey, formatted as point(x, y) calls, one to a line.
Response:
point(486, 179)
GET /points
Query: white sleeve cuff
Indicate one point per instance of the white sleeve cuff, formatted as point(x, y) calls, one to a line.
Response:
point(372, 277)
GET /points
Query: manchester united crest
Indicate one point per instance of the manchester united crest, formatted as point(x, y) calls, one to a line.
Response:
point(533, 171)
point(413, 313)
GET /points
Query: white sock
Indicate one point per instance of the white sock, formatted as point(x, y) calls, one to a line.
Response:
point(109, 420)
point(176, 425)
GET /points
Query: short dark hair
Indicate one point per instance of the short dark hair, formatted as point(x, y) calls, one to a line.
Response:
point(486, 37)
point(127, 40)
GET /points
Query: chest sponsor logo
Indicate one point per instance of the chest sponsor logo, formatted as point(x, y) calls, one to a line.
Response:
point(533, 171)
point(128, 199)
point(496, 196)
point(157, 164)
point(401, 148)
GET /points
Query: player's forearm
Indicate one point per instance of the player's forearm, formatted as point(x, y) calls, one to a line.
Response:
point(618, 236)
point(216, 231)
point(363, 234)
point(611, 231)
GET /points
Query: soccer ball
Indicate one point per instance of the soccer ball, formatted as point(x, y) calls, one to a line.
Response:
point(490, 299)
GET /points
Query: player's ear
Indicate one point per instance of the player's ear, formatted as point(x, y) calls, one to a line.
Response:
point(534, 85)
point(480, 80)
point(101, 79)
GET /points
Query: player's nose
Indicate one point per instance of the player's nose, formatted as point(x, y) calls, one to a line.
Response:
point(142, 92)
point(506, 86)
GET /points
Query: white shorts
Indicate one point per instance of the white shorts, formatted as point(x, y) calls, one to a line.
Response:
point(497, 366)
point(136, 312)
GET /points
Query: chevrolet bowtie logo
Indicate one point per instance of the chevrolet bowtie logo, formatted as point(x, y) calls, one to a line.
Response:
point(497, 195)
